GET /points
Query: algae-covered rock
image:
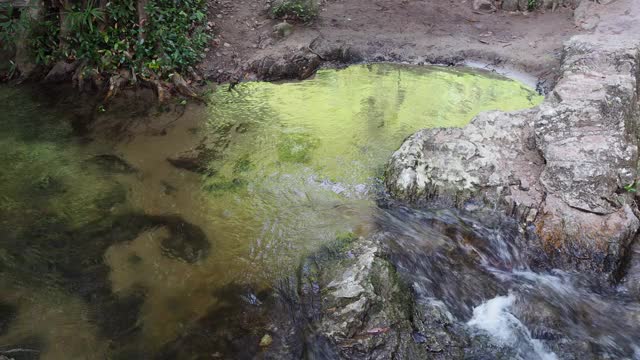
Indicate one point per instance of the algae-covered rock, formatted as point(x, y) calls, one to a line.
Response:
point(185, 241)
point(111, 163)
point(197, 159)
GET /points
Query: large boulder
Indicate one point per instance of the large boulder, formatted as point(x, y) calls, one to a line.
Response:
point(565, 167)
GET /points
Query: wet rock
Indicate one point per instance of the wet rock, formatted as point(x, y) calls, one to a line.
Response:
point(563, 166)
point(235, 329)
point(119, 314)
point(632, 277)
point(8, 313)
point(336, 51)
point(186, 242)
point(62, 71)
point(29, 348)
point(365, 309)
point(300, 65)
point(196, 160)
point(111, 163)
point(488, 161)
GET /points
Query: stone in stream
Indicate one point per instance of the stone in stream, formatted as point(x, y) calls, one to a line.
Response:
point(186, 241)
point(563, 167)
point(111, 163)
point(8, 313)
point(196, 159)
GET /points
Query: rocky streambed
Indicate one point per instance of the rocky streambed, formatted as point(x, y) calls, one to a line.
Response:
point(177, 231)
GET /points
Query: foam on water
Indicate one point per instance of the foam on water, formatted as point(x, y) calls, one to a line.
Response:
point(495, 318)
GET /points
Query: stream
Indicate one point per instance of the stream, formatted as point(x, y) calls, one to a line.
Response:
point(109, 251)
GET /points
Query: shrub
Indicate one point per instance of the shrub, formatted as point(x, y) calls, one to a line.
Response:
point(171, 39)
point(297, 10)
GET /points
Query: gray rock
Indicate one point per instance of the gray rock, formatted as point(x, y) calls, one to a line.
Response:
point(365, 309)
point(488, 160)
point(299, 65)
point(282, 30)
point(509, 5)
point(62, 71)
point(584, 16)
point(196, 159)
point(562, 166)
point(484, 5)
point(632, 280)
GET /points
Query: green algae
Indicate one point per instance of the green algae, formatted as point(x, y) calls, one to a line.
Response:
point(294, 167)
point(298, 162)
point(344, 123)
point(296, 148)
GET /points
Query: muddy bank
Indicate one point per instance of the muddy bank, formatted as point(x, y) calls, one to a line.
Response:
point(415, 32)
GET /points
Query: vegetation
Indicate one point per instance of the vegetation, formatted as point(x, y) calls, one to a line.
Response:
point(150, 38)
point(297, 10)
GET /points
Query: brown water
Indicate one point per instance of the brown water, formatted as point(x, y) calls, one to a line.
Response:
point(298, 164)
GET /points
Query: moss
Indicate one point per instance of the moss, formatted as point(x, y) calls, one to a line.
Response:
point(243, 164)
point(112, 197)
point(297, 148)
point(220, 186)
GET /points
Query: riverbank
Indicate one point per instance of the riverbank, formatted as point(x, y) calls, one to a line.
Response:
point(418, 32)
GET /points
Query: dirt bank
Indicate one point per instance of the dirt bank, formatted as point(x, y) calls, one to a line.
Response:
point(417, 31)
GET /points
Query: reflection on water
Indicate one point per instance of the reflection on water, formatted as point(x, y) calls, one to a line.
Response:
point(290, 166)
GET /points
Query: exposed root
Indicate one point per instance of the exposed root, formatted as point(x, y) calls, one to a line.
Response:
point(183, 88)
point(116, 83)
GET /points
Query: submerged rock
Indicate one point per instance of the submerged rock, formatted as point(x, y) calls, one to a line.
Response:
point(196, 160)
point(111, 163)
point(563, 167)
point(186, 241)
point(8, 313)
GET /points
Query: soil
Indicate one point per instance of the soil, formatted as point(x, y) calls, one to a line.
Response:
point(415, 31)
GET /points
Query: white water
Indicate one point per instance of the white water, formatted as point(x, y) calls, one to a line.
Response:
point(504, 328)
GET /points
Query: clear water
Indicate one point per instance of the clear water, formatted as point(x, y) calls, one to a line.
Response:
point(297, 165)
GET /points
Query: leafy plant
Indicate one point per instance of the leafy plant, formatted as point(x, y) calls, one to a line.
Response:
point(172, 38)
point(631, 187)
point(532, 4)
point(43, 39)
point(83, 19)
point(301, 10)
point(9, 26)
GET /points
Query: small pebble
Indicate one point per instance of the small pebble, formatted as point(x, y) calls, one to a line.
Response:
point(266, 340)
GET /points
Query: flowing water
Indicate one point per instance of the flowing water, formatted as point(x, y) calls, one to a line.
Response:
point(109, 251)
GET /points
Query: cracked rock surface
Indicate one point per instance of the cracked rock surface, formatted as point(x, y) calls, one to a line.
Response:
point(564, 167)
